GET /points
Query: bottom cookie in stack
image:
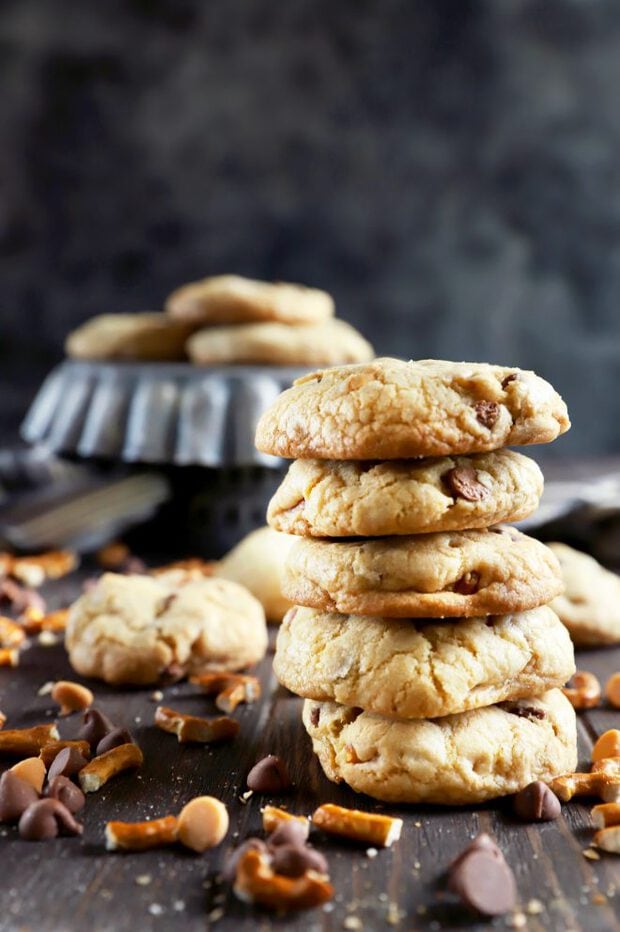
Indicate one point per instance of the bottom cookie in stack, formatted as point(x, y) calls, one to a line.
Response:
point(429, 710)
point(454, 760)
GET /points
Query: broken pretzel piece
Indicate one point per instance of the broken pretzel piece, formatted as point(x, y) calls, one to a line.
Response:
point(605, 815)
point(610, 765)
point(584, 691)
point(273, 817)
point(138, 836)
point(9, 657)
point(230, 688)
point(256, 882)
point(603, 785)
point(27, 742)
point(35, 621)
point(34, 570)
point(367, 827)
point(52, 749)
point(193, 728)
point(105, 766)
point(608, 839)
point(11, 634)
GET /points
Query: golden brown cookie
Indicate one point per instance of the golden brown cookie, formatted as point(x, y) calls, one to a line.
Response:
point(462, 573)
point(390, 409)
point(256, 563)
point(231, 299)
point(143, 336)
point(275, 344)
point(590, 603)
point(136, 629)
point(421, 669)
point(455, 760)
point(330, 498)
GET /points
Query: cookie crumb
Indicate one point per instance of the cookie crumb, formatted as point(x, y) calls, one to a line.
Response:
point(534, 907)
point(371, 853)
point(157, 695)
point(156, 909)
point(46, 689)
point(352, 922)
point(143, 880)
point(216, 914)
point(516, 921)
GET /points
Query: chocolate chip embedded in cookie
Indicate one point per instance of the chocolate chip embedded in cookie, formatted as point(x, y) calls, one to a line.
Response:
point(231, 299)
point(329, 498)
point(133, 629)
point(274, 344)
point(463, 573)
point(406, 669)
point(590, 603)
point(455, 760)
point(390, 409)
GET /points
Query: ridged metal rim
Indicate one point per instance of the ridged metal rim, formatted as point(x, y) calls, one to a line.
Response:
point(156, 412)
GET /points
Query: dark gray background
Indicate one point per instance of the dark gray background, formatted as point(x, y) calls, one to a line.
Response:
point(449, 169)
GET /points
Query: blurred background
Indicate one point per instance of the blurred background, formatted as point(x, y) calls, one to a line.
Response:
point(448, 169)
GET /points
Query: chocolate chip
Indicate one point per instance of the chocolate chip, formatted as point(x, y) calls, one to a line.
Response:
point(513, 377)
point(113, 739)
point(462, 482)
point(269, 775)
point(21, 598)
point(46, 819)
point(295, 860)
point(230, 865)
point(67, 762)
point(536, 803)
point(291, 832)
point(95, 726)
point(487, 412)
point(526, 711)
point(467, 584)
point(15, 796)
point(67, 793)
point(315, 716)
point(484, 883)
point(482, 842)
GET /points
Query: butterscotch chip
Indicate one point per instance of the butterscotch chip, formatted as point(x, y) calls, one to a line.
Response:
point(389, 409)
point(463, 573)
point(607, 745)
point(71, 697)
point(31, 770)
point(403, 668)
point(231, 299)
point(612, 690)
point(202, 823)
point(319, 498)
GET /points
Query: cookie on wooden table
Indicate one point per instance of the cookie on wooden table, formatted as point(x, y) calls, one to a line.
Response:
point(402, 668)
point(231, 299)
point(138, 629)
point(390, 409)
point(455, 760)
point(590, 603)
point(446, 574)
point(330, 498)
point(276, 344)
point(144, 336)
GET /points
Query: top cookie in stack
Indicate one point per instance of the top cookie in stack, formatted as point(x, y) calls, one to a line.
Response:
point(409, 457)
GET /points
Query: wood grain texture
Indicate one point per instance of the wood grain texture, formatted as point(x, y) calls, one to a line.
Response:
point(70, 884)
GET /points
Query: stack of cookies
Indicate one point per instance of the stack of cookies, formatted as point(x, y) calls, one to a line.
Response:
point(421, 638)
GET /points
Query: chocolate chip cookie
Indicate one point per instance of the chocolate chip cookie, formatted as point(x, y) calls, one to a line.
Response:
point(231, 299)
point(138, 629)
point(421, 669)
point(455, 760)
point(390, 409)
point(277, 344)
point(590, 603)
point(447, 574)
point(330, 498)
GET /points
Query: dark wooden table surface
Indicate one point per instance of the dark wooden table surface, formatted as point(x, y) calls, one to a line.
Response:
point(75, 884)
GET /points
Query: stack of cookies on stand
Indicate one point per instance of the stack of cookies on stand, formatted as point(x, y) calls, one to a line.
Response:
point(421, 638)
